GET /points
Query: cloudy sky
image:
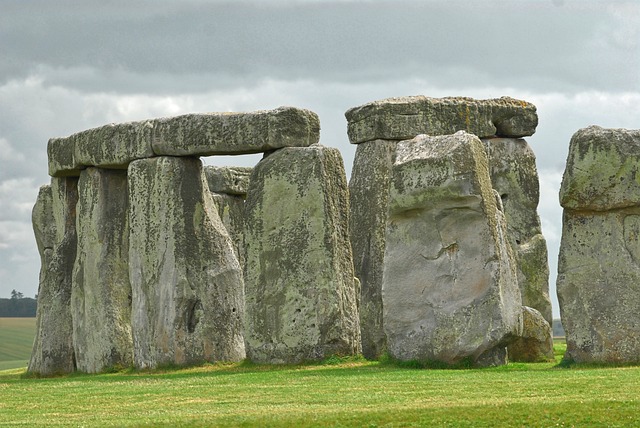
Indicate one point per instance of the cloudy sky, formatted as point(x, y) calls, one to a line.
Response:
point(67, 66)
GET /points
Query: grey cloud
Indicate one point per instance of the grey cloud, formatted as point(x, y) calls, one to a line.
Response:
point(521, 43)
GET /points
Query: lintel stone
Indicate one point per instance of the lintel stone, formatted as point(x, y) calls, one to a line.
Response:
point(403, 118)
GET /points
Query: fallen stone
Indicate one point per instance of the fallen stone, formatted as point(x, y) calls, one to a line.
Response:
point(55, 229)
point(101, 294)
point(235, 133)
point(603, 170)
point(301, 294)
point(405, 117)
point(450, 289)
point(599, 261)
point(369, 196)
point(231, 180)
point(535, 345)
point(187, 286)
point(512, 166)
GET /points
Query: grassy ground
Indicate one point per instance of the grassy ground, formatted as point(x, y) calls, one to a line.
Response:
point(16, 341)
point(356, 393)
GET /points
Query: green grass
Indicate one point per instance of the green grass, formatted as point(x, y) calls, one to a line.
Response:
point(348, 392)
point(16, 341)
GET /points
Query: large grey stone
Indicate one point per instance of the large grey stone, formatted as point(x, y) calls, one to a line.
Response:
point(599, 261)
point(405, 117)
point(187, 286)
point(110, 146)
point(232, 180)
point(209, 134)
point(450, 289)
point(54, 223)
point(101, 295)
point(301, 293)
point(603, 170)
point(535, 344)
point(599, 285)
point(369, 196)
point(512, 165)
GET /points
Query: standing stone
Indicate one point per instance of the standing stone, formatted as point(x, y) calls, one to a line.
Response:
point(512, 165)
point(450, 289)
point(301, 293)
point(101, 295)
point(228, 186)
point(369, 196)
point(599, 261)
point(54, 223)
point(187, 285)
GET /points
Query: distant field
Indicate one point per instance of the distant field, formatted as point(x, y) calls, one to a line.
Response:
point(16, 341)
point(351, 393)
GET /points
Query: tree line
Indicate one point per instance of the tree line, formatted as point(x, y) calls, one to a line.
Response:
point(18, 306)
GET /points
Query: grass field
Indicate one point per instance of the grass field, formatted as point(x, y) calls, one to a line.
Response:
point(16, 341)
point(356, 393)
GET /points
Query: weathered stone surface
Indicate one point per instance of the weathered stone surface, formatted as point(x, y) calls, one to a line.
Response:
point(599, 285)
point(101, 294)
point(405, 117)
point(61, 153)
point(369, 196)
point(450, 288)
point(599, 261)
point(301, 293)
point(54, 224)
point(231, 212)
point(536, 342)
point(512, 165)
point(111, 146)
point(232, 180)
point(114, 145)
point(603, 170)
point(186, 281)
point(235, 133)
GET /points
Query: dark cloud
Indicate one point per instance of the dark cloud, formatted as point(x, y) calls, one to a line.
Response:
point(120, 45)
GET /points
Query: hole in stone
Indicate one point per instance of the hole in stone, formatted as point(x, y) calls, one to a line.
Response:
point(504, 197)
point(518, 241)
point(233, 310)
point(298, 310)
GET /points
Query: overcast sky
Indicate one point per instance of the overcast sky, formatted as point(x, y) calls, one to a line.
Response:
point(67, 66)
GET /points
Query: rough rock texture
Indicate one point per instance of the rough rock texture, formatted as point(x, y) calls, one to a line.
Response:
point(602, 171)
point(231, 212)
point(111, 146)
point(62, 158)
point(450, 288)
point(599, 262)
point(101, 295)
point(235, 133)
point(536, 342)
point(301, 293)
point(232, 180)
point(186, 281)
point(512, 165)
point(405, 117)
point(369, 196)
point(54, 223)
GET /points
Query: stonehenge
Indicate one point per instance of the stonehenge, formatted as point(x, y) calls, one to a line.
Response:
point(599, 262)
point(432, 251)
point(379, 126)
